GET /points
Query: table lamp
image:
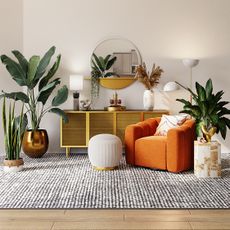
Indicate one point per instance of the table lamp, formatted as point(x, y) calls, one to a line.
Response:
point(76, 84)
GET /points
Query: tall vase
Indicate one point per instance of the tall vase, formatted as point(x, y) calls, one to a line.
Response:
point(148, 99)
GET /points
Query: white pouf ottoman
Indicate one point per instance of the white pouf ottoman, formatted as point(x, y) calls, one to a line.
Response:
point(105, 151)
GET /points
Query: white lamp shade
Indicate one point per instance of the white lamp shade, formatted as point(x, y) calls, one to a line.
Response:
point(76, 82)
point(189, 62)
point(171, 86)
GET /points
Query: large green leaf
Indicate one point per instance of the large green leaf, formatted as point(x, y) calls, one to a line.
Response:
point(98, 62)
point(106, 60)
point(101, 59)
point(110, 63)
point(214, 118)
point(208, 88)
point(184, 102)
point(32, 69)
point(61, 97)
point(44, 63)
point(200, 92)
point(15, 70)
point(50, 73)
point(227, 121)
point(224, 111)
point(21, 59)
point(218, 96)
point(17, 96)
point(60, 113)
point(223, 128)
point(46, 91)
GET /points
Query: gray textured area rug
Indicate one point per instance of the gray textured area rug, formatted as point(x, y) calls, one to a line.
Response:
point(56, 182)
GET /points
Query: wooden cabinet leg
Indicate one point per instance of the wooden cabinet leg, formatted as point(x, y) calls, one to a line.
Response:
point(67, 152)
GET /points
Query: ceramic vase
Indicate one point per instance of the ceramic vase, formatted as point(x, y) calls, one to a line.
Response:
point(148, 99)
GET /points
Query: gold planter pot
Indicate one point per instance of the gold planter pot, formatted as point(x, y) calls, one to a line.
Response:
point(35, 143)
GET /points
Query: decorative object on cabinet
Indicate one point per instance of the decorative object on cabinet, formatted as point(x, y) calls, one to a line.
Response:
point(150, 81)
point(115, 104)
point(208, 110)
point(13, 128)
point(85, 105)
point(83, 125)
point(122, 70)
point(105, 151)
point(171, 86)
point(173, 152)
point(37, 78)
point(76, 84)
point(207, 159)
point(189, 62)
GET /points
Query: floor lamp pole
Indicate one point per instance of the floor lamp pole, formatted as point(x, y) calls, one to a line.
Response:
point(191, 84)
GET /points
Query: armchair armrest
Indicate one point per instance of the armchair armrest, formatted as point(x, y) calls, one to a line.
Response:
point(134, 132)
point(180, 147)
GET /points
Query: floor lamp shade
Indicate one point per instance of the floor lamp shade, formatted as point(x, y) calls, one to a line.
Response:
point(189, 62)
point(171, 86)
point(76, 84)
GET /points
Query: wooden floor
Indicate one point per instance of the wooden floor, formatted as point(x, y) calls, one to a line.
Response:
point(114, 219)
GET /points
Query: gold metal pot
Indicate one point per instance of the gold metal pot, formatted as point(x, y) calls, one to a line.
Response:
point(35, 143)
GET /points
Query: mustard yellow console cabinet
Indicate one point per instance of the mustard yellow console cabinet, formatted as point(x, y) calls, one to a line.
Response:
point(83, 125)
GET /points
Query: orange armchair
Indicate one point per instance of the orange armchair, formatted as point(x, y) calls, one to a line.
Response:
point(173, 152)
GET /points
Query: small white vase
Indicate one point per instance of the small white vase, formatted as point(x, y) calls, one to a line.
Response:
point(148, 99)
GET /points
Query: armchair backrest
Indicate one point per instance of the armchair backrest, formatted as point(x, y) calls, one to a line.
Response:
point(149, 126)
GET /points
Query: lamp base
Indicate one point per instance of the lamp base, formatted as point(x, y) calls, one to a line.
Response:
point(76, 101)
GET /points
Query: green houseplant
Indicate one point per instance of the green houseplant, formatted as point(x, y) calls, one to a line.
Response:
point(36, 77)
point(100, 69)
point(208, 110)
point(13, 128)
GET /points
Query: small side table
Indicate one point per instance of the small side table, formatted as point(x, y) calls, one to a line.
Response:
point(207, 159)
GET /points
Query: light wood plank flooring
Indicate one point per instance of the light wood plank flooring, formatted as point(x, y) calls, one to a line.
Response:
point(114, 219)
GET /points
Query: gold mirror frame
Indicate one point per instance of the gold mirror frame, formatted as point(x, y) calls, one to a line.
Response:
point(123, 81)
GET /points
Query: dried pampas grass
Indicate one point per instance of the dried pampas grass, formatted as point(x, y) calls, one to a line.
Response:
point(149, 81)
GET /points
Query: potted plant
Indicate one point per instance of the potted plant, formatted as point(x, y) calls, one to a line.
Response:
point(13, 128)
point(208, 110)
point(35, 76)
point(100, 69)
point(149, 81)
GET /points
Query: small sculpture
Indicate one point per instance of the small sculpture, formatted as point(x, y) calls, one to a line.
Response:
point(115, 104)
point(115, 101)
point(85, 105)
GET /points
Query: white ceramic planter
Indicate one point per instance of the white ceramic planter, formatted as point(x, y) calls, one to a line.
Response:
point(13, 165)
point(148, 100)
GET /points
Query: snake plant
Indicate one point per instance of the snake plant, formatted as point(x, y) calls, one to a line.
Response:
point(208, 110)
point(100, 69)
point(13, 128)
point(37, 79)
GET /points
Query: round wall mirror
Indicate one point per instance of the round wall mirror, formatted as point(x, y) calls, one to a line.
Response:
point(119, 57)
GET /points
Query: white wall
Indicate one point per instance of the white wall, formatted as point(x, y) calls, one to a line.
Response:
point(10, 38)
point(165, 31)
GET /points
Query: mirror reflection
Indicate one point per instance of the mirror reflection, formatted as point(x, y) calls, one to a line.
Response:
point(116, 57)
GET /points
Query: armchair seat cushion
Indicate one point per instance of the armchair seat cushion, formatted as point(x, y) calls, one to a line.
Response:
point(151, 152)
